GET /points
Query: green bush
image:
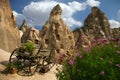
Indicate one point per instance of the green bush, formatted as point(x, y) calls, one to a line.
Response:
point(29, 46)
point(101, 63)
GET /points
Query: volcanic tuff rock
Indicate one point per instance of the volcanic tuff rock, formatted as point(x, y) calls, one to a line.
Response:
point(116, 32)
point(9, 33)
point(24, 26)
point(56, 34)
point(97, 24)
point(31, 34)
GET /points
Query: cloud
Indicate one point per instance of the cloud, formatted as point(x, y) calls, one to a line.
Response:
point(93, 3)
point(114, 23)
point(37, 13)
point(19, 17)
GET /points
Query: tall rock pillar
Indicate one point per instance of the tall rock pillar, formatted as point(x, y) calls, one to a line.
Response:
point(9, 33)
point(56, 34)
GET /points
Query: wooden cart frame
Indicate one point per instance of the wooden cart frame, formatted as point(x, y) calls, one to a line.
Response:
point(28, 64)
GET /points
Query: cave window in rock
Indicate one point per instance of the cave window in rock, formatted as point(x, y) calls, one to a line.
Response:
point(57, 25)
point(36, 41)
point(62, 46)
point(56, 31)
point(70, 37)
point(46, 41)
point(57, 36)
point(58, 51)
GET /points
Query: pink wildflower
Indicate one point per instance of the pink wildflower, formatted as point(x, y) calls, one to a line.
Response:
point(60, 58)
point(77, 54)
point(102, 73)
point(87, 49)
point(93, 44)
point(81, 56)
point(118, 52)
point(77, 45)
point(103, 41)
point(119, 43)
point(71, 60)
point(118, 65)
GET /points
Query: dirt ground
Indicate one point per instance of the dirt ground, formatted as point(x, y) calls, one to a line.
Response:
point(4, 57)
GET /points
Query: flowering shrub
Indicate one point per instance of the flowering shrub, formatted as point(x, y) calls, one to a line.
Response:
point(99, 62)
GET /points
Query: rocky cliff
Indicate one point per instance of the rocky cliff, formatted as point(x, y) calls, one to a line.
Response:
point(24, 26)
point(9, 34)
point(31, 34)
point(56, 34)
point(97, 24)
point(116, 32)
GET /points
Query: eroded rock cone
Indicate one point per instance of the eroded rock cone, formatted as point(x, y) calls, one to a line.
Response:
point(56, 34)
point(31, 34)
point(116, 32)
point(97, 24)
point(24, 26)
point(9, 32)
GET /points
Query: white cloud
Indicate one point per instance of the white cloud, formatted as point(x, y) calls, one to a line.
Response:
point(93, 3)
point(37, 13)
point(71, 22)
point(114, 23)
point(19, 17)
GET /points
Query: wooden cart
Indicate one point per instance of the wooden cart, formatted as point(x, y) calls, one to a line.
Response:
point(40, 60)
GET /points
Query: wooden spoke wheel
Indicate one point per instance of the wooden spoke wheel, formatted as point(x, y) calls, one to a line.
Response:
point(29, 66)
point(47, 64)
point(13, 56)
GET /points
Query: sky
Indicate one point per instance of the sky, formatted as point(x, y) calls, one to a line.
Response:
point(37, 12)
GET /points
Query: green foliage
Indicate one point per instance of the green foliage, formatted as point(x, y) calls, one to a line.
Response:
point(101, 63)
point(12, 65)
point(29, 46)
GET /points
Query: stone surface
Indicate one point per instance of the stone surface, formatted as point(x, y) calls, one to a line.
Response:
point(56, 34)
point(31, 34)
point(9, 33)
point(116, 32)
point(24, 26)
point(97, 24)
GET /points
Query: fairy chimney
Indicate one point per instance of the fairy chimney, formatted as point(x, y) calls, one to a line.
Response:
point(97, 24)
point(31, 34)
point(56, 34)
point(24, 26)
point(9, 33)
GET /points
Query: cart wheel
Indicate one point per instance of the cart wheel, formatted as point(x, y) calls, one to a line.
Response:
point(13, 56)
point(29, 66)
point(47, 64)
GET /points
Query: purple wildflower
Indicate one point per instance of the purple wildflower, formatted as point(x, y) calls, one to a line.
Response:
point(71, 61)
point(118, 52)
point(102, 73)
point(87, 49)
point(118, 65)
point(60, 58)
point(80, 56)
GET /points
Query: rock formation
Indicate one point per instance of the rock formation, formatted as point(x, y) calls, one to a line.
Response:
point(97, 24)
point(24, 26)
point(56, 34)
point(9, 33)
point(31, 34)
point(116, 32)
